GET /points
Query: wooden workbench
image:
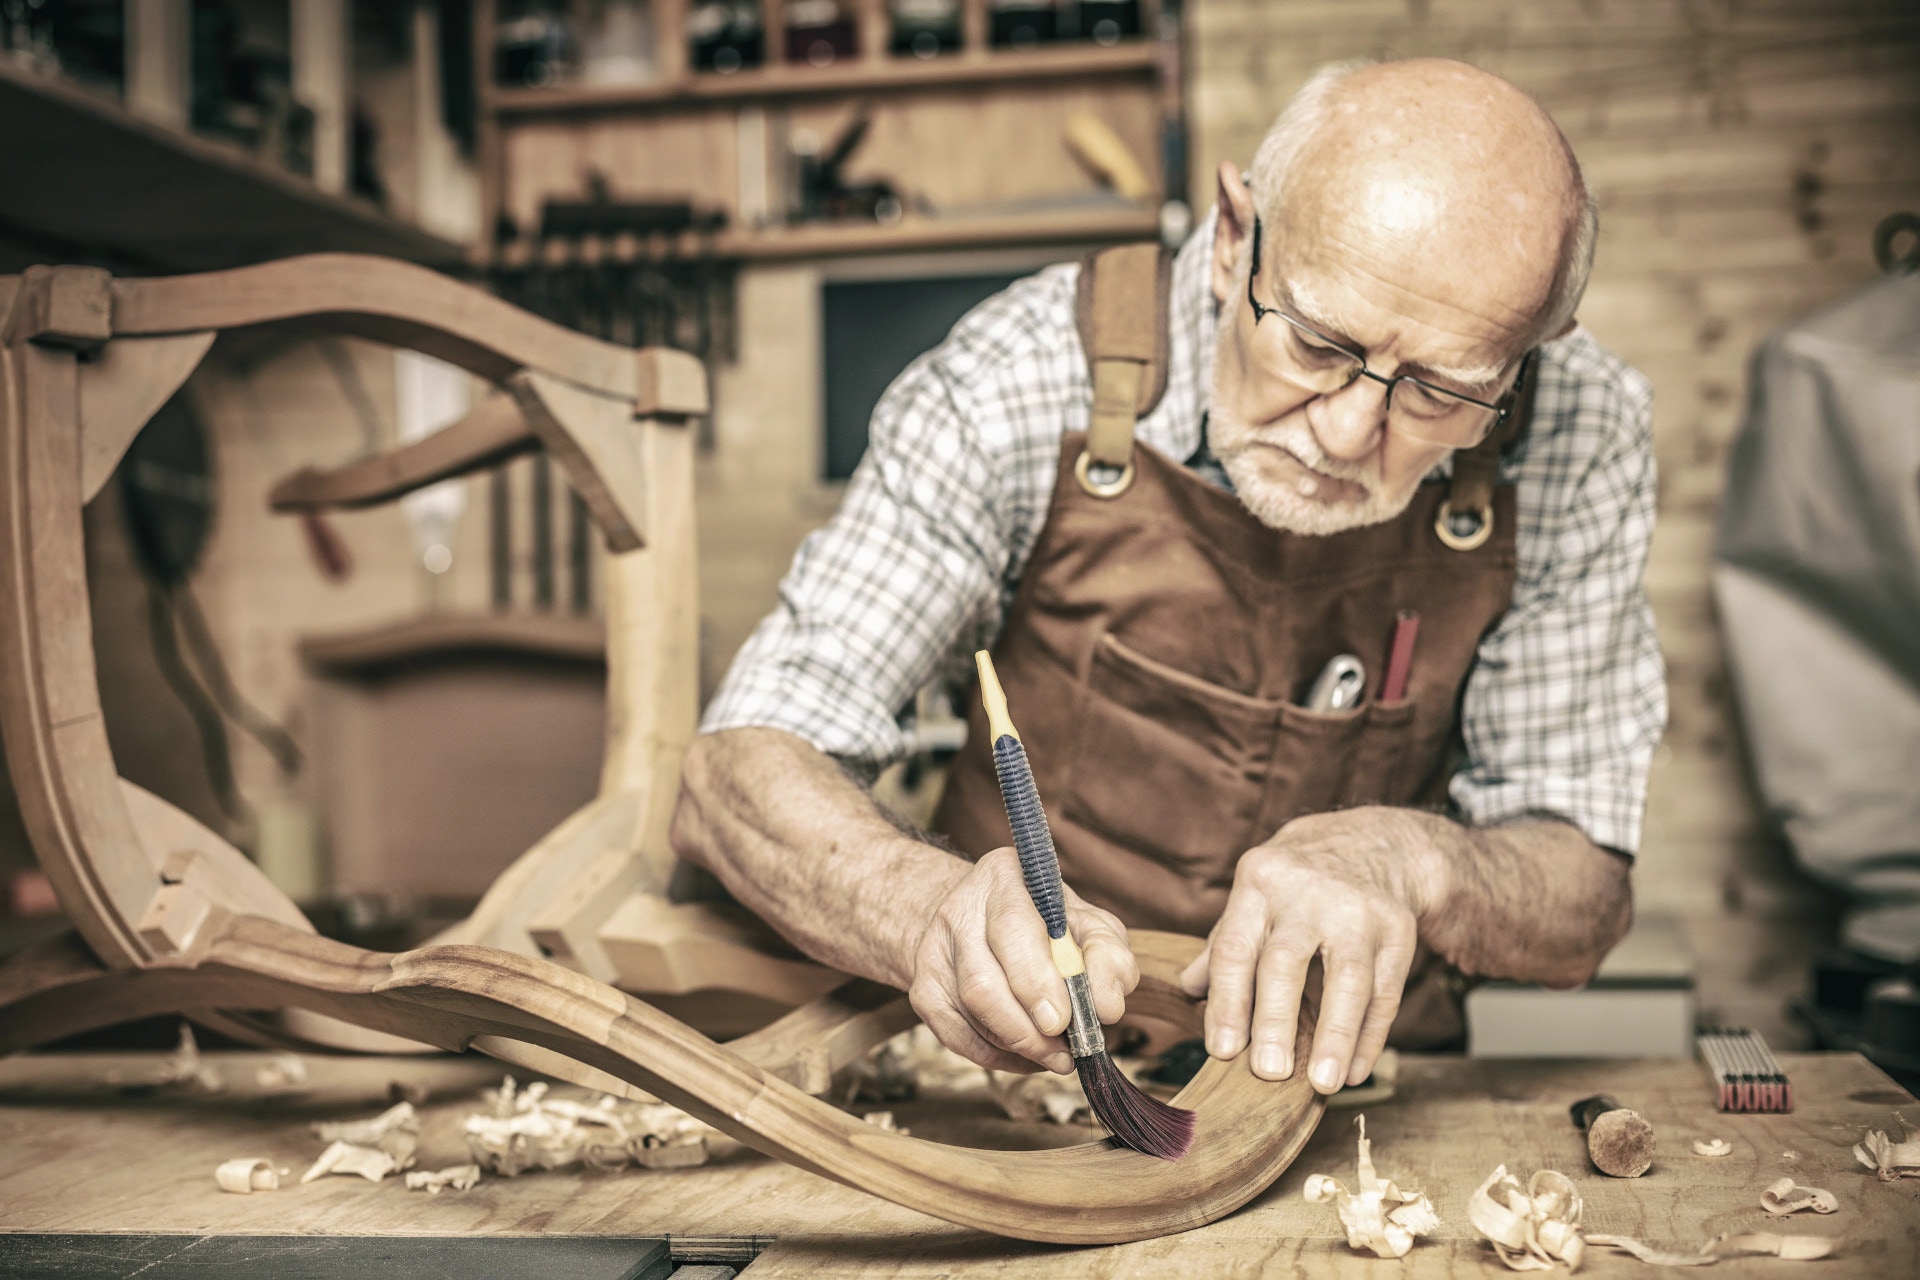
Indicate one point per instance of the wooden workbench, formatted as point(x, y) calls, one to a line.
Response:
point(79, 1155)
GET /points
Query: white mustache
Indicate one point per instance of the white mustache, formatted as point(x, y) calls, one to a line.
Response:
point(1298, 440)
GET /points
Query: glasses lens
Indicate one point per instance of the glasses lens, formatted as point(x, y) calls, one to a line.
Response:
point(1434, 417)
point(1303, 359)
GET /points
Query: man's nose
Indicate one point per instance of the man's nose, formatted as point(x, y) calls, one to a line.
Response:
point(1348, 422)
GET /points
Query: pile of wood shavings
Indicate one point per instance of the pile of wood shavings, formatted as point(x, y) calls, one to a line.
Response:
point(1533, 1228)
point(524, 1129)
point(1538, 1228)
point(1378, 1215)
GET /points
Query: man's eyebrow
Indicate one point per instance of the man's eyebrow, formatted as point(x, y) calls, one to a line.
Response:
point(1473, 380)
point(1307, 311)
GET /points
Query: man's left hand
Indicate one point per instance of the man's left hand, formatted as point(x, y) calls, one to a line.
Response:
point(1339, 886)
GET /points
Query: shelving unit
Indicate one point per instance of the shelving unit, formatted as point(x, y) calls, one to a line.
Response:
point(1133, 59)
point(944, 124)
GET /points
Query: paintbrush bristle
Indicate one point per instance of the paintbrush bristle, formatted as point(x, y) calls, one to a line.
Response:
point(1141, 1121)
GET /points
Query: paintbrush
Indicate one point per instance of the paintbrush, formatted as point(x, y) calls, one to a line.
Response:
point(1142, 1122)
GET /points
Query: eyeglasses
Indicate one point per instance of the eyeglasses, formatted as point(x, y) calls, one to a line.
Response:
point(1314, 362)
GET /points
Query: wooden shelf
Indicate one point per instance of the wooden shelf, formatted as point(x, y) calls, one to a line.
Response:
point(1001, 66)
point(1088, 227)
point(86, 179)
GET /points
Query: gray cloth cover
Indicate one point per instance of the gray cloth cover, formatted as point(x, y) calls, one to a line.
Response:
point(1818, 585)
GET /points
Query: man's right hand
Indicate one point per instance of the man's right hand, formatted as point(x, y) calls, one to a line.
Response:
point(983, 975)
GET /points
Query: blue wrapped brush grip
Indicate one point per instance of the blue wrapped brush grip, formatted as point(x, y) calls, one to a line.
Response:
point(1031, 838)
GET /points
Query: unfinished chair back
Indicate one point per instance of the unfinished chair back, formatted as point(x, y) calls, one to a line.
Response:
point(171, 918)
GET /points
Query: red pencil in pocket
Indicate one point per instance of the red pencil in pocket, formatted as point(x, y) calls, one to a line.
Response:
point(1406, 626)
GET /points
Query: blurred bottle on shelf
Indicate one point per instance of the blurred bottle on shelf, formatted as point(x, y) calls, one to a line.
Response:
point(1022, 24)
point(925, 28)
point(820, 32)
point(619, 44)
point(533, 44)
point(726, 35)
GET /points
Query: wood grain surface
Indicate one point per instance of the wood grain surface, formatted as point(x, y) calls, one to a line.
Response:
point(77, 1154)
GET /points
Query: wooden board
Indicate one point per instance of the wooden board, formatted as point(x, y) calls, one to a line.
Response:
point(76, 1156)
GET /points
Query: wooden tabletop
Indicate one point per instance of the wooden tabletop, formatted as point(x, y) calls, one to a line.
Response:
point(78, 1154)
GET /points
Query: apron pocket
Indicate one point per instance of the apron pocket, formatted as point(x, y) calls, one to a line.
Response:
point(1325, 761)
point(1168, 765)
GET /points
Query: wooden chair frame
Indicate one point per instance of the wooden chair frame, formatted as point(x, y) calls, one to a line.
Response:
point(168, 917)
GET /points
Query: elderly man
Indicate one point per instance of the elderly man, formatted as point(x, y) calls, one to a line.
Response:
point(1379, 431)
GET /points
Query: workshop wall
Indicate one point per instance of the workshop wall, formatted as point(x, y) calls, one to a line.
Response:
point(1742, 155)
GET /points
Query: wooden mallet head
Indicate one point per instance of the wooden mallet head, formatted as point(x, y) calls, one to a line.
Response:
point(1619, 1141)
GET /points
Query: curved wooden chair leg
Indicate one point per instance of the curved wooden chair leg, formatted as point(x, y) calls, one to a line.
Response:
point(173, 918)
point(1248, 1130)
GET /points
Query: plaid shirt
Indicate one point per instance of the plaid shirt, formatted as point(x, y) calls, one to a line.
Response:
point(1563, 707)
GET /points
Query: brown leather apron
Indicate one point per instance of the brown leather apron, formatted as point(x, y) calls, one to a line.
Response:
point(1162, 639)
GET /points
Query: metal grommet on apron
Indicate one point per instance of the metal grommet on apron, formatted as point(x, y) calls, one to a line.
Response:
point(1083, 472)
point(1445, 525)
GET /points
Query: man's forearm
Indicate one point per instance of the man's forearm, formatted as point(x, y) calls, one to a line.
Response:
point(802, 846)
point(1532, 901)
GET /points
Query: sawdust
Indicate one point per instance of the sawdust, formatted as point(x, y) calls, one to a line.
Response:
point(1712, 1147)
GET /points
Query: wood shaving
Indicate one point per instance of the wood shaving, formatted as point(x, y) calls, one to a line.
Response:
point(282, 1071)
point(401, 1117)
point(460, 1177)
point(524, 1129)
point(371, 1148)
point(371, 1163)
point(1791, 1248)
point(1890, 1160)
point(1785, 1196)
point(1531, 1229)
point(1378, 1216)
point(245, 1176)
point(1712, 1147)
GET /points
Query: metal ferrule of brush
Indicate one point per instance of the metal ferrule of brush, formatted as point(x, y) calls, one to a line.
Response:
point(1084, 1036)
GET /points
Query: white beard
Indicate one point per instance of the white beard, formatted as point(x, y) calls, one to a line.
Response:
point(1285, 506)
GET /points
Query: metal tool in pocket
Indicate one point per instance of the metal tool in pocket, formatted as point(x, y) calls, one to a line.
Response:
point(1340, 685)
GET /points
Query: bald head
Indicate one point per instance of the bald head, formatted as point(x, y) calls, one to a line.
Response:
point(1435, 174)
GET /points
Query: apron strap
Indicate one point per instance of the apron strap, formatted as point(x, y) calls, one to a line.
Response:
point(1465, 519)
point(1120, 310)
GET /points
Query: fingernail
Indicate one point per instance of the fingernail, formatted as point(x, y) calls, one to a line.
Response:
point(1326, 1075)
point(1223, 1044)
point(1046, 1017)
point(1272, 1063)
point(1060, 1064)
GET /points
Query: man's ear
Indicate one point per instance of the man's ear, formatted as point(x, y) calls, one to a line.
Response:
point(1235, 202)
